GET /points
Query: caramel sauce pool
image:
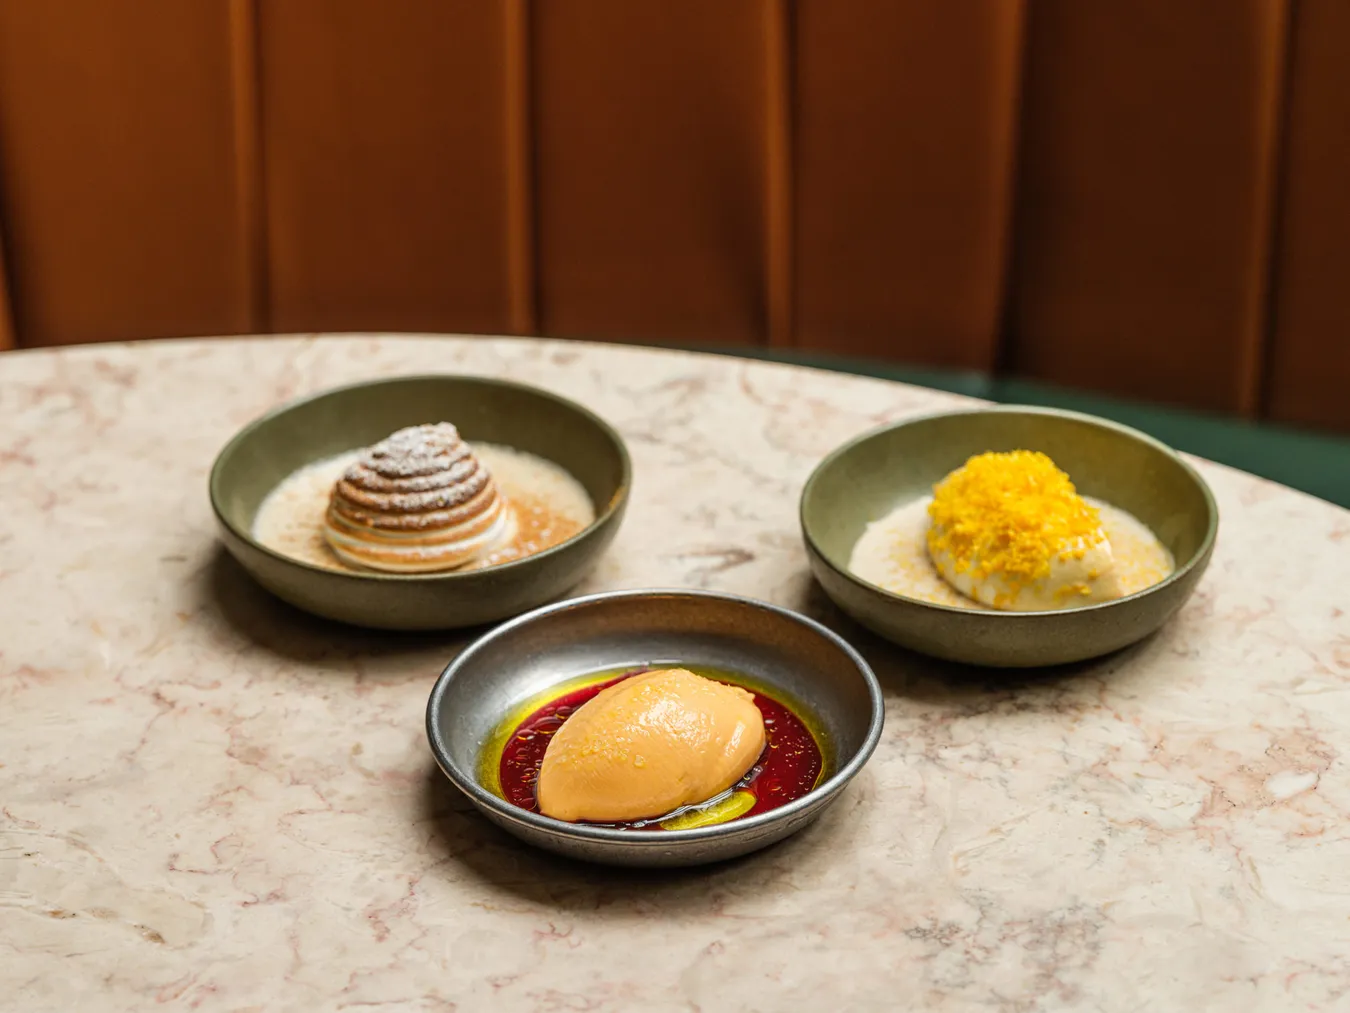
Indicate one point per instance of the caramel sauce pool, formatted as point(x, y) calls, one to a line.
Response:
point(792, 763)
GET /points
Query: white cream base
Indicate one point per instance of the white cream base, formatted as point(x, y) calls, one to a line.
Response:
point(1071, 582)
point(892, 553)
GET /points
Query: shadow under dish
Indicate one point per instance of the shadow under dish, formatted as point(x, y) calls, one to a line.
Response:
point(792, 764)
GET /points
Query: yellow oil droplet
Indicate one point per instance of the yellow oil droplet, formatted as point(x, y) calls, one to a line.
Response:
point(734, 805)
point(639, 761)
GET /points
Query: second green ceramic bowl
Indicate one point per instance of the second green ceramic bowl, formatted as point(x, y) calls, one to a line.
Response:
point(484, 410)
point(866, 479)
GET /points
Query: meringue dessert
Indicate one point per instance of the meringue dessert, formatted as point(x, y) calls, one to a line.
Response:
point(417, 502)
point(649, 745)
point(423, 500)
point(1010, 531)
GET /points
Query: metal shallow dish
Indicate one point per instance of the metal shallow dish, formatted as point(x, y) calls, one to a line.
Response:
point(485, 410)
point(784, 651)
point(869, 477)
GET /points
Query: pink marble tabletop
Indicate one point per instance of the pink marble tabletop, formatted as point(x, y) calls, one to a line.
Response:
point(211, 801)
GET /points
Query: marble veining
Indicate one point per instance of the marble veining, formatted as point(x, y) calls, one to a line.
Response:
point(210, 801)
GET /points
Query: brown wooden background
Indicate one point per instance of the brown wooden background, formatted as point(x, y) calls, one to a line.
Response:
point(1149, 198)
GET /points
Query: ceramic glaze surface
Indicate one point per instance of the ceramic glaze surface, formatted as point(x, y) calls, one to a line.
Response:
point(211, 801)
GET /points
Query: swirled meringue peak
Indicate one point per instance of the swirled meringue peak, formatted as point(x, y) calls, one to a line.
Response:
point(417, 502)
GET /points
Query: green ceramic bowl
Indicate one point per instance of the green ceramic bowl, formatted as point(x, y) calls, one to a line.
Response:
point(869, 477)
point(485, 410)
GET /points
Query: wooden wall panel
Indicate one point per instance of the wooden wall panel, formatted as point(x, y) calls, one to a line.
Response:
point(118, 188)
point(386, 143)
point(906, 116)
point(652, 136)
point(1310, 353)
point(1144, 212)
point(835, 174)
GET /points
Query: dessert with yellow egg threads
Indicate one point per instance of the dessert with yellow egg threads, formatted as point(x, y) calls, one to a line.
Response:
point(1011, 531)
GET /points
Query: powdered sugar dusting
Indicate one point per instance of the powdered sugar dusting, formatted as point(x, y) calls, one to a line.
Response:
point(420, 478)
point(415, 450)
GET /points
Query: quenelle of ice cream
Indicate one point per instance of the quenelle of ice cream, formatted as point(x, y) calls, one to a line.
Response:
point(649, 745)
point(1011, 531)
point(419, 501)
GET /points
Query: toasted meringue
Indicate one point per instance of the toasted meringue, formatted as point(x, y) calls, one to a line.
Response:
point(418, 501)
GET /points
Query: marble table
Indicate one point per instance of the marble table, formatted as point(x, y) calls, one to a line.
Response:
point(210, 801)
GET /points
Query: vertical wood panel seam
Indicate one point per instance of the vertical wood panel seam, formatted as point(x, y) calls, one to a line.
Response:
point(9, 320)
point(1004, 352)
point(246, 92)
point(1257, 383)
point(8, 330)
point(780, 240)
point(521, 178)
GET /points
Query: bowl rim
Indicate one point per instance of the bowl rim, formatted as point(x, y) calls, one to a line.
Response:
point(602, 516)
point(468, 782)
point(1179, 574)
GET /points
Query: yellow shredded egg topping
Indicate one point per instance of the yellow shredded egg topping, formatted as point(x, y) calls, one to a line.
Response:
point(1010, 514)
